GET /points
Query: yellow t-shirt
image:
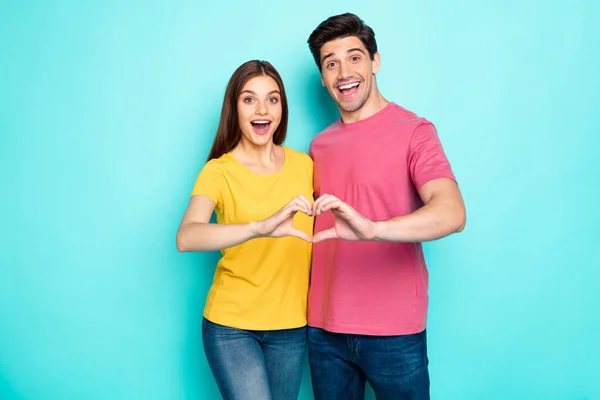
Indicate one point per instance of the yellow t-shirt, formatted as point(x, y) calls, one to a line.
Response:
point(261, 284)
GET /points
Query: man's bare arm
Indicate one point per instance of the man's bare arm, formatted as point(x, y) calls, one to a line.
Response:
point(442, 214)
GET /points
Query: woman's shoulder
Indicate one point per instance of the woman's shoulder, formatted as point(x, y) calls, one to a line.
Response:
point(298, 157)
point(219, 164)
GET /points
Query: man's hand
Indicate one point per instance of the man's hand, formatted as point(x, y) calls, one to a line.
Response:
point(349, 223)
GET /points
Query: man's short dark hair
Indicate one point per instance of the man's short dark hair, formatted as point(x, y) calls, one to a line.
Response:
point(337, 27)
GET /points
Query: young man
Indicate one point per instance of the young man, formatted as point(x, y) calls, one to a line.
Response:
point(384, 185)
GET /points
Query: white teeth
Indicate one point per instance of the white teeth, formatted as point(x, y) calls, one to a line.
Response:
point(261, 122)
point(348, 86)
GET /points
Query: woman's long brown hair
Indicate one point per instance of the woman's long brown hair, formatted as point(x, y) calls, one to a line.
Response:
point(228, 133)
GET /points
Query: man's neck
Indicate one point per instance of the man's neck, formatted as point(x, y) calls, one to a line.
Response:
point(374, 104)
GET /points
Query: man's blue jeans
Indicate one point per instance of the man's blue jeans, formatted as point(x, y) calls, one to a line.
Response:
point(255, 365)
point(396, 367)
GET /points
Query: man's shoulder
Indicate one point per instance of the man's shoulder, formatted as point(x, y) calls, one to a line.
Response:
point(402, 114)
point(331, 128)
point(393, 116)
point(328, 131)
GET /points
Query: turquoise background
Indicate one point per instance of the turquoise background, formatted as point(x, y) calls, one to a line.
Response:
point(107, 111)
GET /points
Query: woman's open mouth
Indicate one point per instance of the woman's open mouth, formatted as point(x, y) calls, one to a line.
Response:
point(260, 126)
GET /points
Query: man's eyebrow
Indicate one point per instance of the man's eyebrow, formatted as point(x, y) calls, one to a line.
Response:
point(349, 51)
point(355, 49)
point(324, 58)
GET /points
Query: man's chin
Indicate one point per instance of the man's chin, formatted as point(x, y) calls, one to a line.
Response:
point(349, 107)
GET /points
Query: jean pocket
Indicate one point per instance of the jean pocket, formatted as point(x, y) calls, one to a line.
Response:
point(216, 331)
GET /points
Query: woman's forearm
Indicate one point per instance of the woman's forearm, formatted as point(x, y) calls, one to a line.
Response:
point(196, 236)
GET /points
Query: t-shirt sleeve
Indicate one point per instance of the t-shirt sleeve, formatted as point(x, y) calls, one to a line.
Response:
point(427, 159)
point(311, 169)
point(210, 182)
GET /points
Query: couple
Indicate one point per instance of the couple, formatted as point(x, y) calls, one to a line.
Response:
point(382, 185)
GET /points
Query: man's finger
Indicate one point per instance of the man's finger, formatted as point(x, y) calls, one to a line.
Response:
point(321, 198)
point(320, 202)
point(324, 195)
point(332, 205)
point(324, 235)
point(328, 204)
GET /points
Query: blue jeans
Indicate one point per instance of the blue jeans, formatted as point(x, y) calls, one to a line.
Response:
point(396, 367)
point(255, 365)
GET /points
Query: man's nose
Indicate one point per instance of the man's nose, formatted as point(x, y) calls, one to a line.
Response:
point(343, 71)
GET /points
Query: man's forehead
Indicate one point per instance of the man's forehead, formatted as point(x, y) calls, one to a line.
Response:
point(342, 45)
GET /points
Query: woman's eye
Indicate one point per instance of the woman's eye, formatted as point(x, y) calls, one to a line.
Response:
point(273, 100)
point(248, 100)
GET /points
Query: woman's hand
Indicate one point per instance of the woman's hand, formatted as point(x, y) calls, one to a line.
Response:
point(280, 224)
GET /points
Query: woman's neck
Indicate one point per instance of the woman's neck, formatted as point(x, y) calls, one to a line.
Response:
point(268, 158)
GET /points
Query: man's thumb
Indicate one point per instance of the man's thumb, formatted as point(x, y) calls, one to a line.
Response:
point(324, 235)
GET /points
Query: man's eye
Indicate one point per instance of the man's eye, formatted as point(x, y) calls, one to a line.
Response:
point(331, 65)
point(355, 58)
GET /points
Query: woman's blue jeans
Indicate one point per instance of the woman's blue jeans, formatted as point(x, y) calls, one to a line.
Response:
point(255, 365)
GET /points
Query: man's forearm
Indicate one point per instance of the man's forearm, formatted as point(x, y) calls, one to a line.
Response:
point(433, 221)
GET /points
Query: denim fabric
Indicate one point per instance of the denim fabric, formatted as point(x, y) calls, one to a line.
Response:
point(255, 365)
point(396, 367)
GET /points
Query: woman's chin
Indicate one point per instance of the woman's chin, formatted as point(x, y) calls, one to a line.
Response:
point(259, 139)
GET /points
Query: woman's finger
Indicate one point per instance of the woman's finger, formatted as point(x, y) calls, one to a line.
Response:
point(304, 201)
point(300, 234)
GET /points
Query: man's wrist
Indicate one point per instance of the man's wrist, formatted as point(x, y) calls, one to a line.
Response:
point(378, 229)
point(388, 231)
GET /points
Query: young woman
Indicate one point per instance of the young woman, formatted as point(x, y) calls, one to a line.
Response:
point(254, 326)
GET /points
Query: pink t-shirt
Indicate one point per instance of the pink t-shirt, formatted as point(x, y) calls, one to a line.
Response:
point(376, 165)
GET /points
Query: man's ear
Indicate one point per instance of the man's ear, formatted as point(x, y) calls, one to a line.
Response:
point(375, 63)
point(322, 83)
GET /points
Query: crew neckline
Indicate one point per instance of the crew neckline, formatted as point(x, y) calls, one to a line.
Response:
point(379, 114)
point(277, 173)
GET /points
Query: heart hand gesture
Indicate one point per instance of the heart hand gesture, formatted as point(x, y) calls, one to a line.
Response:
point(349, 223)
point(280, 224)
